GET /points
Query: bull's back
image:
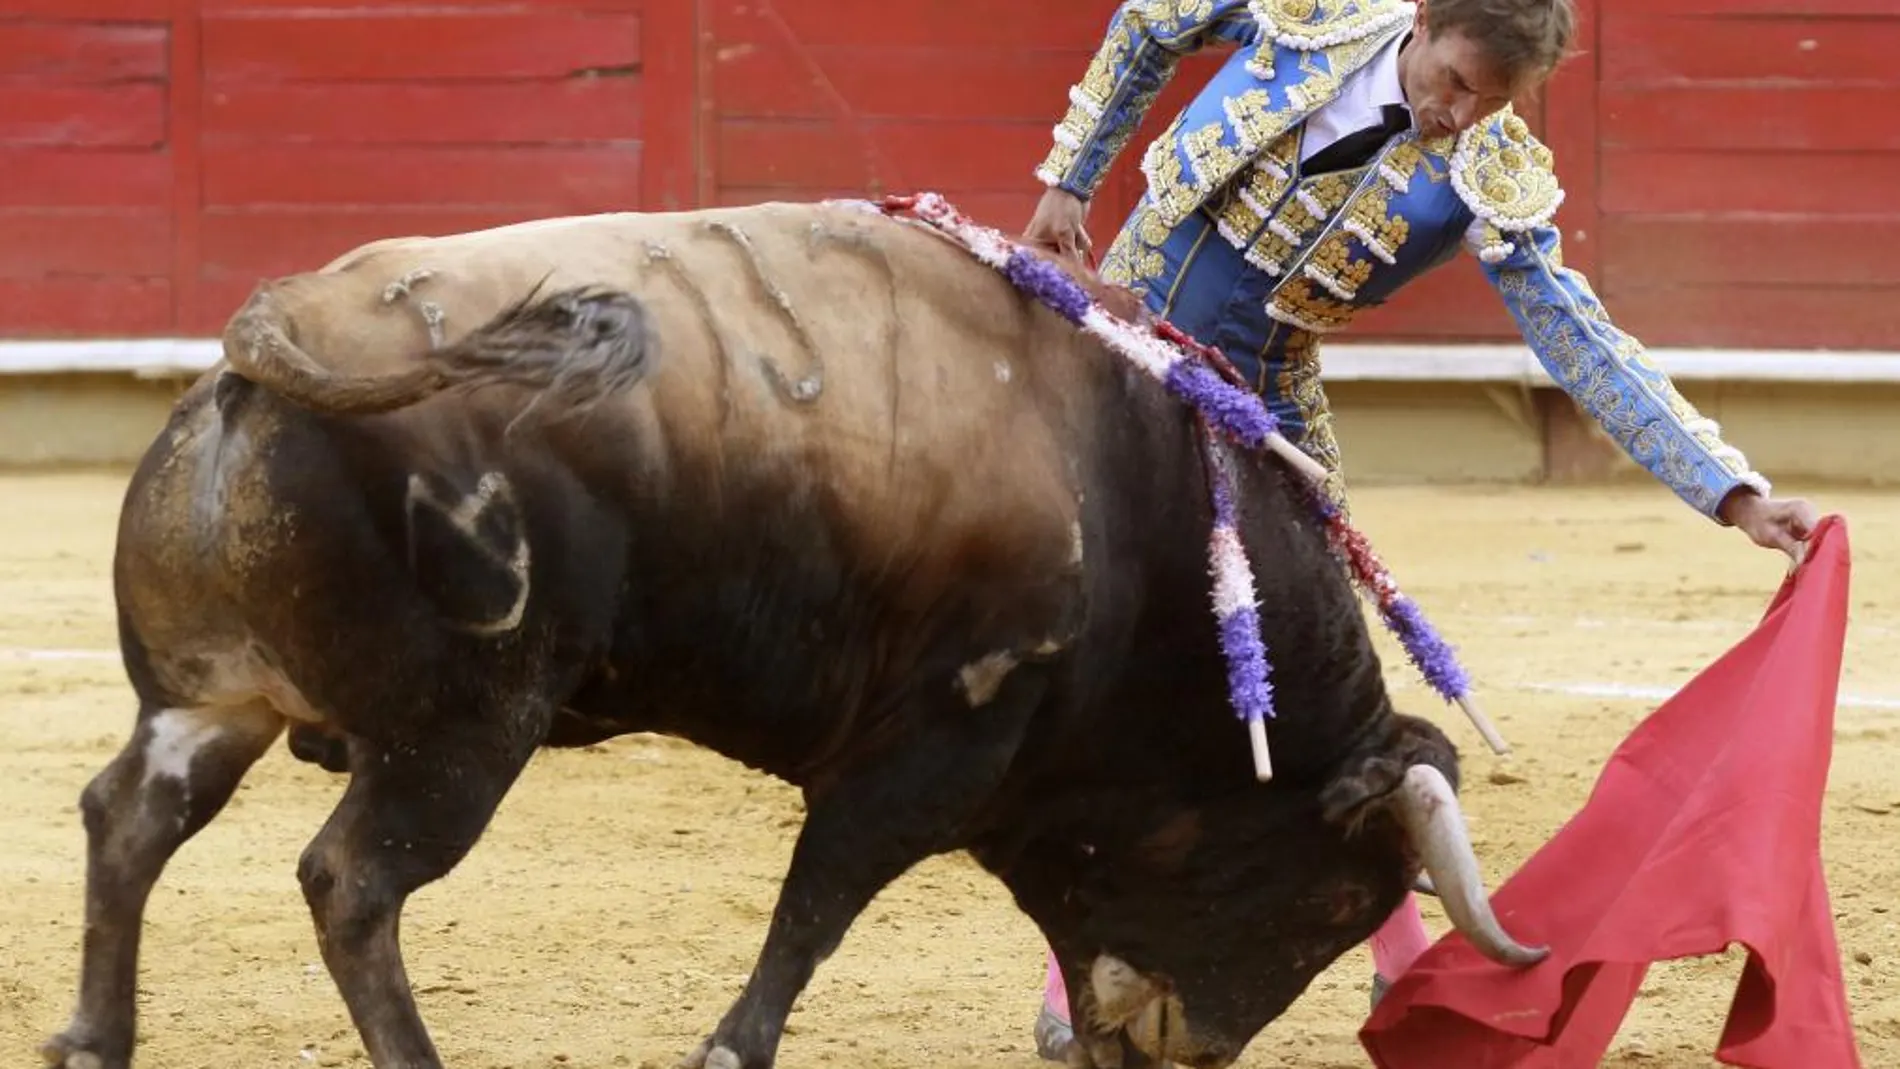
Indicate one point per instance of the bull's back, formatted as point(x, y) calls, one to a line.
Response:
point(810, 351)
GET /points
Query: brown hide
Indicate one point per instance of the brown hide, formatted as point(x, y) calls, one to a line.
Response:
point(800, 483)
point(869, 358)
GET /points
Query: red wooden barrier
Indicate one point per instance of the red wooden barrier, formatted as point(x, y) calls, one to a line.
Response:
point(1729, 163)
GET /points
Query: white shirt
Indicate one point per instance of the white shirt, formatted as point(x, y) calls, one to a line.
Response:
point(1361, 97)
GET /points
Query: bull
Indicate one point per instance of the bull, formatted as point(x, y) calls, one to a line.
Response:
point(805, 485)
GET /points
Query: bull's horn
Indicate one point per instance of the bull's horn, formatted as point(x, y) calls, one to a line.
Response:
point(1435, 824)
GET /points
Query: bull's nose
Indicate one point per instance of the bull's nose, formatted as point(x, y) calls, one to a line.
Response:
point(1164, 1030)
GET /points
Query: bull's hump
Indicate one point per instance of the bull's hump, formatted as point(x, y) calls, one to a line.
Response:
point(875, 363)
point(862, 358)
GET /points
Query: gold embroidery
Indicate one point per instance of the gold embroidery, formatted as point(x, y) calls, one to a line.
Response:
point(1253, 121)
point(1249, 202)
point(1290, 11)
point(1317, 88)
point(1252, 118)
point(1134, 258)
point(1098, 79)
point(1299, 217)
point(1271, 253)
point(1297, 303)
point(1333, 267)
point(1615, 380)
point(1507, 179)
point(1298, 382)
point(1237, 220)
point(1090, 97)
point(1308, 25)
point(1056, 164)
point(1180, 10)
point(1207, 156)
point(1401, 162)
point(1161, 165)
point(1366, 220)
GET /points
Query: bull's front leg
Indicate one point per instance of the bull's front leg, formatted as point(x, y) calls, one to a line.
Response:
point(176, 772)
point(865, 830)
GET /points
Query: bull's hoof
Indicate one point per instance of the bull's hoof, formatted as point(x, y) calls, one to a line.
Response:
point(709, 1056)
point(64, 1052)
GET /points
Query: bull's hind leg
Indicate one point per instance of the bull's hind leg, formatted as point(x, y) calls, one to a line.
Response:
point(861, 832)
point(177, 771)
point(412, 811)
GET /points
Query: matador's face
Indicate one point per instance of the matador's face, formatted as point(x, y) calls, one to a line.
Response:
point(1450, 82)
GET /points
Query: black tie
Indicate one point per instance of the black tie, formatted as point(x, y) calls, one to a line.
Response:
point(1357, 147)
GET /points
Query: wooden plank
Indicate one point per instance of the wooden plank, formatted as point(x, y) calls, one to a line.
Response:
point(57, 178)
point(1761, 317)
point(372, 8)
point(419, 47)
point(1008, 212)
point(590, 109)
point(75, 305)
point(1786, 119)
point(1572, 130)
point(583, 179)
point(244, 247)
point(879, 157)
point(1642, 49)
point(1697, 183)
point(219, 298)
point(157, 11)
point(705, 102)
point(187, 156)
point(250, 245)
point(1872, 10)
point(121, 116)
point(1007, 25)
point(81, 53)
point(39, 243)
point(830, 81)
point(674, 152)
point(1651, 252)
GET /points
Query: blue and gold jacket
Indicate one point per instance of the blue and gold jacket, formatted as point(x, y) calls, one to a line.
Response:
point(1341, 242)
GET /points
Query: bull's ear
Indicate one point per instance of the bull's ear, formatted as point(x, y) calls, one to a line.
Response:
point(1364, 779)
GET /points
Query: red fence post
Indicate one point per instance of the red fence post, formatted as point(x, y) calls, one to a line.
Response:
point(183, 122)
point(674, 166)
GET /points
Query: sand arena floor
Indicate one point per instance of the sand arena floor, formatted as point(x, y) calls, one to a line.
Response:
point(617, 903)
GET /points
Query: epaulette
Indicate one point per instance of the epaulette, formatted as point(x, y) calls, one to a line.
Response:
point(1314, 25)
point(1507, 178)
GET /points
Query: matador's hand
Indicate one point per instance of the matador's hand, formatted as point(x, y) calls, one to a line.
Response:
point(1770, 522)
point(1058, 225)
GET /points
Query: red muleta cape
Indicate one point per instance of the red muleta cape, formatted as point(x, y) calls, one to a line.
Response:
point(1703, 830)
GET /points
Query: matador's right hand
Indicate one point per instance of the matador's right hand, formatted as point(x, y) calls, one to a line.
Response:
point(1059, 225)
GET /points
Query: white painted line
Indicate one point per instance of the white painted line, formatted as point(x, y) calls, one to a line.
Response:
point(141, 357)
point(1345, 361)
point(1624, 691)
point(1737, 625)
point(24, 654)
point(1517, 364)
point(1647, 693)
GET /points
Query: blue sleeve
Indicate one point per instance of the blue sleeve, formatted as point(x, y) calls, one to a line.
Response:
point(1145, 42)
point(1609, 373)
